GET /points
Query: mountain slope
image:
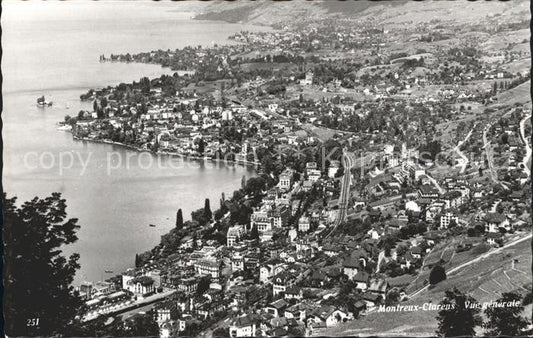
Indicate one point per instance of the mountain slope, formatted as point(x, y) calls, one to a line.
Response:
point(269, 12)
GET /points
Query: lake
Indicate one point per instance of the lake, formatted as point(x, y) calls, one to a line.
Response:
point(52, 49)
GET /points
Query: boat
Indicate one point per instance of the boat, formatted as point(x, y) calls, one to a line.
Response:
point(152, 225)
point(65, 127)
point(41, 102)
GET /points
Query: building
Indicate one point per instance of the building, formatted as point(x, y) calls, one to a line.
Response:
point(127, 277)
point(313, 175)
point(304, 224)
point(261, 219)
point(237, 263)
point(279, 216)
point(297, 311)
point(333, 168)
point(187, 285)
point(362, 280)
point(379, 286)
point(162, 315)
point(329, 316)
point(308, 79)
point(234, 234)
point(277, 308)
point(351, 267)
point(411, 170)
point(494, 221)
point(447, 218)
point(270, 269)
point(428, 191)
point(243, 326)
point(281, 282)
point(141, 285)
point(453, 199)
point(294, 293)
point(285, 179)
point(494, 238)
point(208, 267)
point(310, 165)
point(86, 290)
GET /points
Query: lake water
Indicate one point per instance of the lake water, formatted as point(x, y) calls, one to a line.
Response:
point(52, 49)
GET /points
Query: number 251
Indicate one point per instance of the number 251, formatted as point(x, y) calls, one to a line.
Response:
point(32, 322)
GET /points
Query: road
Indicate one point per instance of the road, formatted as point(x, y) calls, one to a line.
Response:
point(391, 200)
point(436, 184)
point(464, 160)
point(490, 160)
point(348, 162)
point(129, 306)
point(475, 260)
point(527, 158)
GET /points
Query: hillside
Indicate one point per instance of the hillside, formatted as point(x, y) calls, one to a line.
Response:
point(282, 12)
point(260, 12)
point(387, 12)
point(485, 281)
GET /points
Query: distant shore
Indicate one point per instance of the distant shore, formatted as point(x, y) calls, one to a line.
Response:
point(256, 165)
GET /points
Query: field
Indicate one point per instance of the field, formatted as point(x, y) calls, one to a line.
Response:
point(519, 66)
point(314, 92)
point(321, 133)
point(517, 95)
point(267, 66)
point(485, 280)
point(447, 130)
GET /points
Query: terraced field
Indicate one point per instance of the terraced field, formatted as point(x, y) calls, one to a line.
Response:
point(485, 281)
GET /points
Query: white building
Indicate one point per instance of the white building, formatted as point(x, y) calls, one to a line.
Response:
point(207, 267)
point(242, 327)
point(313, 175)
point(234, 234)
point(138, 285)
point(447, 218)
point(333, 168)
point(285, 179)
point(304, 224)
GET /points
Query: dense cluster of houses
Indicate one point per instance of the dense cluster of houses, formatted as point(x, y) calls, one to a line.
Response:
point(289, 269)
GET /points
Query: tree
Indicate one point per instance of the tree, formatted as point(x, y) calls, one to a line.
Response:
point(201, 146)
point(179, 219)
point(255, 186)
point(203, 285)
point(457, 318)
point(207, 209)
point(506, 321)
point(243, 182)
point(393, 297)
point(221, 332)
point(194, 241)
point(200, 217)
point(255, 232)
point(437, 275)
point(401, 249)
point(39, 299)
point(452, 224)
point(140, 326)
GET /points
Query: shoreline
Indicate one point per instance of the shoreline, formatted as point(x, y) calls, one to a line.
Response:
point(255, 165)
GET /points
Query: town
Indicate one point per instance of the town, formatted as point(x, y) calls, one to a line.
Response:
point(387, 157)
